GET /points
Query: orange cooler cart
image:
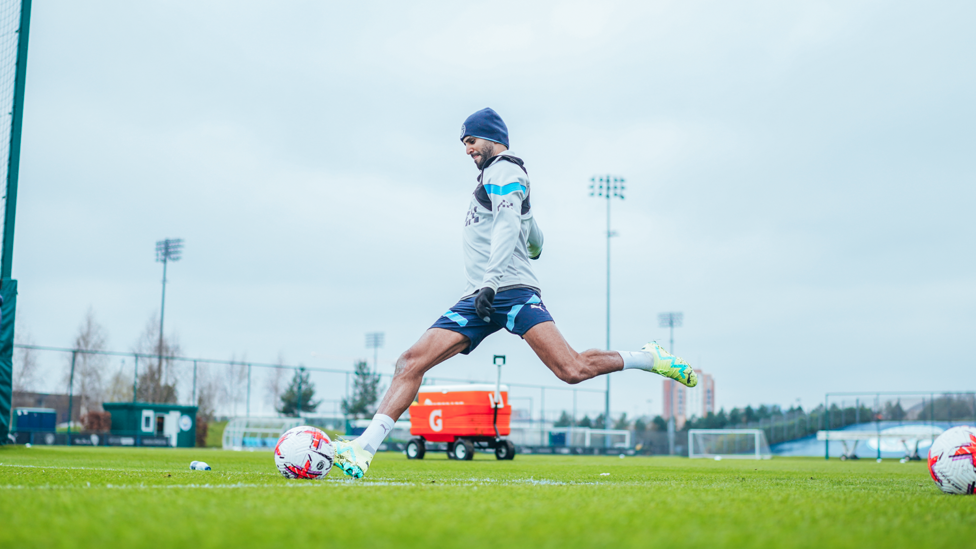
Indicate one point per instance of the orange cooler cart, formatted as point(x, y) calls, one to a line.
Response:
point(463, 416)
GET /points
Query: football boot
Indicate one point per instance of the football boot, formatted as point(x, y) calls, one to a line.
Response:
point(670, 366)
point(352, 458)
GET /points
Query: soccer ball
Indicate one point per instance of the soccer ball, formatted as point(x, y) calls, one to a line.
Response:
point(304, 452)
point(952, 460)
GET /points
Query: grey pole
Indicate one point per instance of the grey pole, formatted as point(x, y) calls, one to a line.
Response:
point(162, 315)
point(606, 413)
point(574, 409)
point(298, 408)
point(542, 417)
point(611, 187)
point(135, 376)
point(247, 407)
point(71, 392)
point(194, 403)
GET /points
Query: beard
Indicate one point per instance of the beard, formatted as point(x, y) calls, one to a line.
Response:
point(484, 155)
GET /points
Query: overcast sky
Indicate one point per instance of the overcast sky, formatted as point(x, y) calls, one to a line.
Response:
point(800, 182)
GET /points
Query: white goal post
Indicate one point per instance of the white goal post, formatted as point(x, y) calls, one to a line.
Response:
point(728, 443)
point(256, 433)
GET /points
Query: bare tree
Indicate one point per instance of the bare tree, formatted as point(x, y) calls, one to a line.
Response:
point(88, 365)
point(119, 386)
point(25, 362)
point(208, 393)
point(235, 383)
point(276, 382)
point(156, 371)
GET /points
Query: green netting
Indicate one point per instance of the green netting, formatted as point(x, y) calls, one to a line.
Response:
point(8, 289)
point(9, 41)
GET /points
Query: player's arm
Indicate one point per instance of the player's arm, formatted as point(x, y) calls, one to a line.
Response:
point(534, 241)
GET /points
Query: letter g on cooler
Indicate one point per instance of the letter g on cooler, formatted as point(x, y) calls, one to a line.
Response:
point(436, 423)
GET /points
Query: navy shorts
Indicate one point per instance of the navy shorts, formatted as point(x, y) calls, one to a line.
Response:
point(516, 310)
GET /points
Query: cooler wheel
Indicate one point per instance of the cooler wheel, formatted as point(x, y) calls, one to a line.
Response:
point(461, 449)
point(416, 448)
point(505, 449)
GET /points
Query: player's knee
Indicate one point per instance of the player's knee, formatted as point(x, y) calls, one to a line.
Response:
point(407, 364)
point(571, 373)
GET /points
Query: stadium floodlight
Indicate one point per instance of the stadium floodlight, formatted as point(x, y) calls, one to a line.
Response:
point(672, 321)
point(375, 340)
point(170, 249)
point(608, 187)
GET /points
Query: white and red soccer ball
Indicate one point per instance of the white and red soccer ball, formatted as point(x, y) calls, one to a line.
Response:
point(304, 452)
point(952, 460)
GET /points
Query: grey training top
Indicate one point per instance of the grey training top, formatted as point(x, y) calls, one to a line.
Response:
point(500, 232)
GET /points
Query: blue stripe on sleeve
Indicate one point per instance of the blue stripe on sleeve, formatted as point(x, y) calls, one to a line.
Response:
point(507, 189)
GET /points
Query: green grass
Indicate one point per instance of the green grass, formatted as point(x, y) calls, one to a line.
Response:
point(125, 497)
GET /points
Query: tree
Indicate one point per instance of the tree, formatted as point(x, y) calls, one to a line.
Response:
point(735, 416)
point(622, 422)
point(365, 392)
point(659, 423)
point(275, 383)
point(25, 362)
point(119, 386)
point(585, 422)
point(640, 425)
point(565, 420)
point(893, 412)
point(208, 393)
point(155, 382)
point(86, 382)
point(299, 386)
point(234, 383)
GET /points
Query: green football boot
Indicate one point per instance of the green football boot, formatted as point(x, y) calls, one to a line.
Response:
point(670, 366)
point(352, 458)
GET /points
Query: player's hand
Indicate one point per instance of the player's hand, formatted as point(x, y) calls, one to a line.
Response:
point(482, 303)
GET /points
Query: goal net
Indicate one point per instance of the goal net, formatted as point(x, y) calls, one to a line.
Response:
point(256, 433)
point(728, 443)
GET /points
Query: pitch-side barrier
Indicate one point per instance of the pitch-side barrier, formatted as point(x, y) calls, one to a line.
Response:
point(910, 439)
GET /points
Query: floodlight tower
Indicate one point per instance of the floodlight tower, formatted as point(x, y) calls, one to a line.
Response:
point(672, 321)
point(374, 340)
point(170, 249)
point(607, 187)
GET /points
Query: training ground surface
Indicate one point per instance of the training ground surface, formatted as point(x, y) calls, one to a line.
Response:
point(124, 497)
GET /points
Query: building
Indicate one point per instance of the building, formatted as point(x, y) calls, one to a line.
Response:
point(675, 401)
point(25, 399)
point(706, 384)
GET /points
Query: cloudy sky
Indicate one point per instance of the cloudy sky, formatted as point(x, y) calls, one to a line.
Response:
point(800, 182)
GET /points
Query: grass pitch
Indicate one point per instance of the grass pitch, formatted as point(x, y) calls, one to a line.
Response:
point(126, 497)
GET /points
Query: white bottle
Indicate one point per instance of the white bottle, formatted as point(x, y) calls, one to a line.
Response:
point(199, 466)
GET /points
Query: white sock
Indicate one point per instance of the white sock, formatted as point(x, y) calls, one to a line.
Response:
point(638, 359)
point(374, 435)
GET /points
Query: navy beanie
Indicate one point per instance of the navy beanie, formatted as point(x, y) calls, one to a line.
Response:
point(486, 124)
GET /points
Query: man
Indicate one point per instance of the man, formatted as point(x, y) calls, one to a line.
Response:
point(501, 237)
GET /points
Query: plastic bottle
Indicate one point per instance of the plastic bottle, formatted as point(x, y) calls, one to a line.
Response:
point(199, 466)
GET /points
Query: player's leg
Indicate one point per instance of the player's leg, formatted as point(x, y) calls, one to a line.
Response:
point(568, 365)
point(434, 347)
point(573, 367)
point(459, 330)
